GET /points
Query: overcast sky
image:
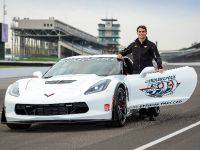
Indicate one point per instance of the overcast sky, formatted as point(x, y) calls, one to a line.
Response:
point(175, 24)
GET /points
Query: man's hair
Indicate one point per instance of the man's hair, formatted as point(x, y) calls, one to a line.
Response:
point(143, 27)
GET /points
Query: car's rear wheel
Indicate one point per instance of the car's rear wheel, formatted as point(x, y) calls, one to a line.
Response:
point(119, 108)
point(15, 126)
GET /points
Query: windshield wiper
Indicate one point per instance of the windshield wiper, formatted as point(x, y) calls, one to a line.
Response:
point(47, 77)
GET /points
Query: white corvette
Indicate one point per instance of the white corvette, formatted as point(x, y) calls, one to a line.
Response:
point(93, 88)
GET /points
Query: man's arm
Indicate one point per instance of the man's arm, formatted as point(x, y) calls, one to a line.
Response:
point(157, 58)
point(126, 51)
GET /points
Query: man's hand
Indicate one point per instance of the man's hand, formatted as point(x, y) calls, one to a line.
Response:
point(120, 57)
point(161, 70)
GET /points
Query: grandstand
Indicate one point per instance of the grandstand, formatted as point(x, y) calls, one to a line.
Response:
point(51, 37)
point(191, 54)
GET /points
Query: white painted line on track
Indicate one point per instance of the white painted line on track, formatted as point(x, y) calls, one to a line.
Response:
point(167, 136)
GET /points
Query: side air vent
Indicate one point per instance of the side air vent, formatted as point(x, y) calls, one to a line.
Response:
point(59, 81)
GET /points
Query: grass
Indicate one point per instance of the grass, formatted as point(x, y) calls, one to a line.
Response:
point(13, 66)
point(31, 59)
point(50, 58)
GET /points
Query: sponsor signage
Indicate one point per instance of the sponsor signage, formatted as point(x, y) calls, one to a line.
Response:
point(4, 32)
point(159, 87)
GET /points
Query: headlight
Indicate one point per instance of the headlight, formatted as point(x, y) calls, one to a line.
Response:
point(98, 87)
point(14, 89)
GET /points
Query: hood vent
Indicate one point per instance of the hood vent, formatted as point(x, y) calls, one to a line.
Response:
point(59, 81)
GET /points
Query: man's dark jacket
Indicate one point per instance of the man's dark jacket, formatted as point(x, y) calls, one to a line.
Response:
point(143, 54)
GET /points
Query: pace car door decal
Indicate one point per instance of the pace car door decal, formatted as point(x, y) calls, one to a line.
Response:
point(171, 87)
point(158, 87)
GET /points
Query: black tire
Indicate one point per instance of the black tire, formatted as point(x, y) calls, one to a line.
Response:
point(15, 126)
point(119, 113)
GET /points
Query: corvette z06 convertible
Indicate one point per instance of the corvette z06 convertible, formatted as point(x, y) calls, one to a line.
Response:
point(94, 88)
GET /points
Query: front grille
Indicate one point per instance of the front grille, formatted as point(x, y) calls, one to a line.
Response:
point(51, 109)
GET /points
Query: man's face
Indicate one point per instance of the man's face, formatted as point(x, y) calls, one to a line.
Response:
point(141, 33)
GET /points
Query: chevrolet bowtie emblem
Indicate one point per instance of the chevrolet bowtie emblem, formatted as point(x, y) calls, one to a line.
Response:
point(48, 95)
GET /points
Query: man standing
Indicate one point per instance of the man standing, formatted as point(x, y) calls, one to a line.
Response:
point(143, 52)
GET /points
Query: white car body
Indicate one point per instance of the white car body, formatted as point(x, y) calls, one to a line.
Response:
point(144, 90)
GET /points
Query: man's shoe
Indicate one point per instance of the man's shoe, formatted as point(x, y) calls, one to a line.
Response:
point(152, 118)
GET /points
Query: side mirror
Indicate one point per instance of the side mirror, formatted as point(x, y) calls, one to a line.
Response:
point(147, 70)
point(37, 74)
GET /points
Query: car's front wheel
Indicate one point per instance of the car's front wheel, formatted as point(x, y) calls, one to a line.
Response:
point(119, 108)
point(18, 126)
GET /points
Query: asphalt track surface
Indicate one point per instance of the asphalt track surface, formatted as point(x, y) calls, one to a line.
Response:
point(135, 134)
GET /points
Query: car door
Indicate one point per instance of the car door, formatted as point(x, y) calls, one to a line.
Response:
point(149, 89)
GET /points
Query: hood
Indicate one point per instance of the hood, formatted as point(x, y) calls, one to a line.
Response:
point(69, 86)
point(71, 82)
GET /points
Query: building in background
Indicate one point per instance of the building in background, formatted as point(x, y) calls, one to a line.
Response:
point(109, 35)
point(51, 37)
point(3, 39)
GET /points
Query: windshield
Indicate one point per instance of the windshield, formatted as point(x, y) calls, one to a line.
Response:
point(102, 66)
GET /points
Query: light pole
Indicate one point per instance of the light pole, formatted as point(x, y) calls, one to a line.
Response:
point(4, 7)
point(4, 26)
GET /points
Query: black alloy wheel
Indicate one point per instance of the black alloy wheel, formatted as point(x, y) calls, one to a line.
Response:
point(119, 108)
